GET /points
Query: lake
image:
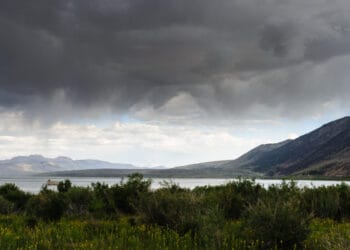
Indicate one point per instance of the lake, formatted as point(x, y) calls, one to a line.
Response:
point(34, 184)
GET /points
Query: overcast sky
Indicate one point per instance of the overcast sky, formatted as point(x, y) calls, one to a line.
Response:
point(168, 82)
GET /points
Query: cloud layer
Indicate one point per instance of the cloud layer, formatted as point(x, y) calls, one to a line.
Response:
point(174, 60)
point(138, 143)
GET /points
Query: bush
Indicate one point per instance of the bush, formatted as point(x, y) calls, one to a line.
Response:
point(284, 191)
point(102, 204)
point(64, 186)
point(280, 224)
point(174, 210)
point(47, 205)
point(344, 201)
point(127, 195)
point(6, 207)
point(79, 200)
point(13, 194)
point(178, 209)
point(236, 196)
point(322, 202)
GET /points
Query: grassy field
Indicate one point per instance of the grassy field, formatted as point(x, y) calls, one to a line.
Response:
point(120, 234)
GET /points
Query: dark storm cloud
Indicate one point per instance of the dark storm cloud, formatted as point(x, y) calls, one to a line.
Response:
point(228, 55)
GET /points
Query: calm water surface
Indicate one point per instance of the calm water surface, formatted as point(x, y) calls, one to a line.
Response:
point(34, 184)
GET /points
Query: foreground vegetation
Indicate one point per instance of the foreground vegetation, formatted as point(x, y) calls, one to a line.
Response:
point(107, 234)
point(129, 215)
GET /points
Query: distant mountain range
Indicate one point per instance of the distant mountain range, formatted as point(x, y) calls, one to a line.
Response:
point(322, 152)
point(38, 164)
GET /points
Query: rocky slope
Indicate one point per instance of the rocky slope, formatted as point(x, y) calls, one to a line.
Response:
point(324, 151)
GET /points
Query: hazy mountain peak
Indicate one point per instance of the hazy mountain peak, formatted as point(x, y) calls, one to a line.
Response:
point(65, 158)
point(38, 163)
point(32, 157)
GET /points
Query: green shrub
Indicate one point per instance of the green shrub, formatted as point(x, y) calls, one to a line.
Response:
point(127, 196)
point(233, 205)
point(274, 224)
point(64, 186)
point(234, 197)
point(284, 191)
point(79, 200)
point(180, 210)
point(344, 201)
point(6, 207)
point(47, 205)
point(13, 194)
point(322, 202)
point(102, 203)
point(177, 211)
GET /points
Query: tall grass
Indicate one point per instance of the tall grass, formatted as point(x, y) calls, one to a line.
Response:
point(106, 234)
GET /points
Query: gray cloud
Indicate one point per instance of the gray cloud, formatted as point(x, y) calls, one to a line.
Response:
point(227, 57)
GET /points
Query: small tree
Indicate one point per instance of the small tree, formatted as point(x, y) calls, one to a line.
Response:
point(64, 186)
